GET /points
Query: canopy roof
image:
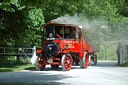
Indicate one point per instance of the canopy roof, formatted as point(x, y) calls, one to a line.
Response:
point(64, 25)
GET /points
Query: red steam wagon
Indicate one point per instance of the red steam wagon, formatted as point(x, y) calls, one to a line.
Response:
point(64, 44)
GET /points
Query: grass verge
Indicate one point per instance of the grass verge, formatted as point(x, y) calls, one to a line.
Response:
point(123, 65)
point(7, 68)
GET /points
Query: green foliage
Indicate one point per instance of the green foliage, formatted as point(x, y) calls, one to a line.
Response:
point(12, 26)
point(20, 18)
point(57, 8)
point(108, 50)
point(34, 17)
point(18, 24)
point(108, 12)
point(34, 20)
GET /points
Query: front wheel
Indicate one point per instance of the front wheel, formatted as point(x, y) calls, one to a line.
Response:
point(66, 62)
point(40, 63)
point(84, 60)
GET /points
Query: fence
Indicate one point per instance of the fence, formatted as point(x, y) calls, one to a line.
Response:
point(108, 52)
point(16, 54)
point(17, 51)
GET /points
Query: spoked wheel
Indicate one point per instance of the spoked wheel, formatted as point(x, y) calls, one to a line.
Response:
point(84, 60)
point(66, 62)
point(40, 63)
point(54, 66)
point(95, 59)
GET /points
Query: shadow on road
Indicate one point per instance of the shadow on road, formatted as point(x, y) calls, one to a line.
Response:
point(105, 64)
point(99, 64)
point(40, 77)
point(53, 69)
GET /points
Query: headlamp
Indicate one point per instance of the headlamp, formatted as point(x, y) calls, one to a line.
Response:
point(50, 34)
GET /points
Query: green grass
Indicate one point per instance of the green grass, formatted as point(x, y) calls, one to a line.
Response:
point(123, 65)
point(21, 84)
point(13, 67)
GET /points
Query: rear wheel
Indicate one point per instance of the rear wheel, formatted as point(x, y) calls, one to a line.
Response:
point(66, 62)
point(89, 62)
point(40, 63)
point(84, 60)
point(95, 59)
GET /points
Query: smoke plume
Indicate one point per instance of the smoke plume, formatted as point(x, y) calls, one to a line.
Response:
point(67, 19)
point(92, 28)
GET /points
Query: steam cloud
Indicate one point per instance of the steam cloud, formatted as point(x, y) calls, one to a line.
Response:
point(67, 19)
point(90, 26)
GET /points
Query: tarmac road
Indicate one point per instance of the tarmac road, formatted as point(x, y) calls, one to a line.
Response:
point(104, 73)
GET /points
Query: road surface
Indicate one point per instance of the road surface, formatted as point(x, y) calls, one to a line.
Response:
point(104, 73)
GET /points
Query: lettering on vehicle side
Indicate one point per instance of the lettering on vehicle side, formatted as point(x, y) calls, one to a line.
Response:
point(71, 42)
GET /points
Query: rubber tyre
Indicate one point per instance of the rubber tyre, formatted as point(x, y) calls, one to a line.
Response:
point(89, 62)
point(95, 59)
point(84, 60)
point(66, 62)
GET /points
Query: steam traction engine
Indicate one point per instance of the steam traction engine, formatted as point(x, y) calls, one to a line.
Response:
point(64, 45)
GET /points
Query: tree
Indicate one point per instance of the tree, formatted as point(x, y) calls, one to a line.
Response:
point(12, 26)
point(18, 24)
point(33, 13)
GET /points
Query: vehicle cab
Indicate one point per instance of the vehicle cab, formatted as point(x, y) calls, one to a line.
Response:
point(62, 44)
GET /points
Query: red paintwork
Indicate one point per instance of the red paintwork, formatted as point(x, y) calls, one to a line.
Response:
point(76, 47)
point(38, 51)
